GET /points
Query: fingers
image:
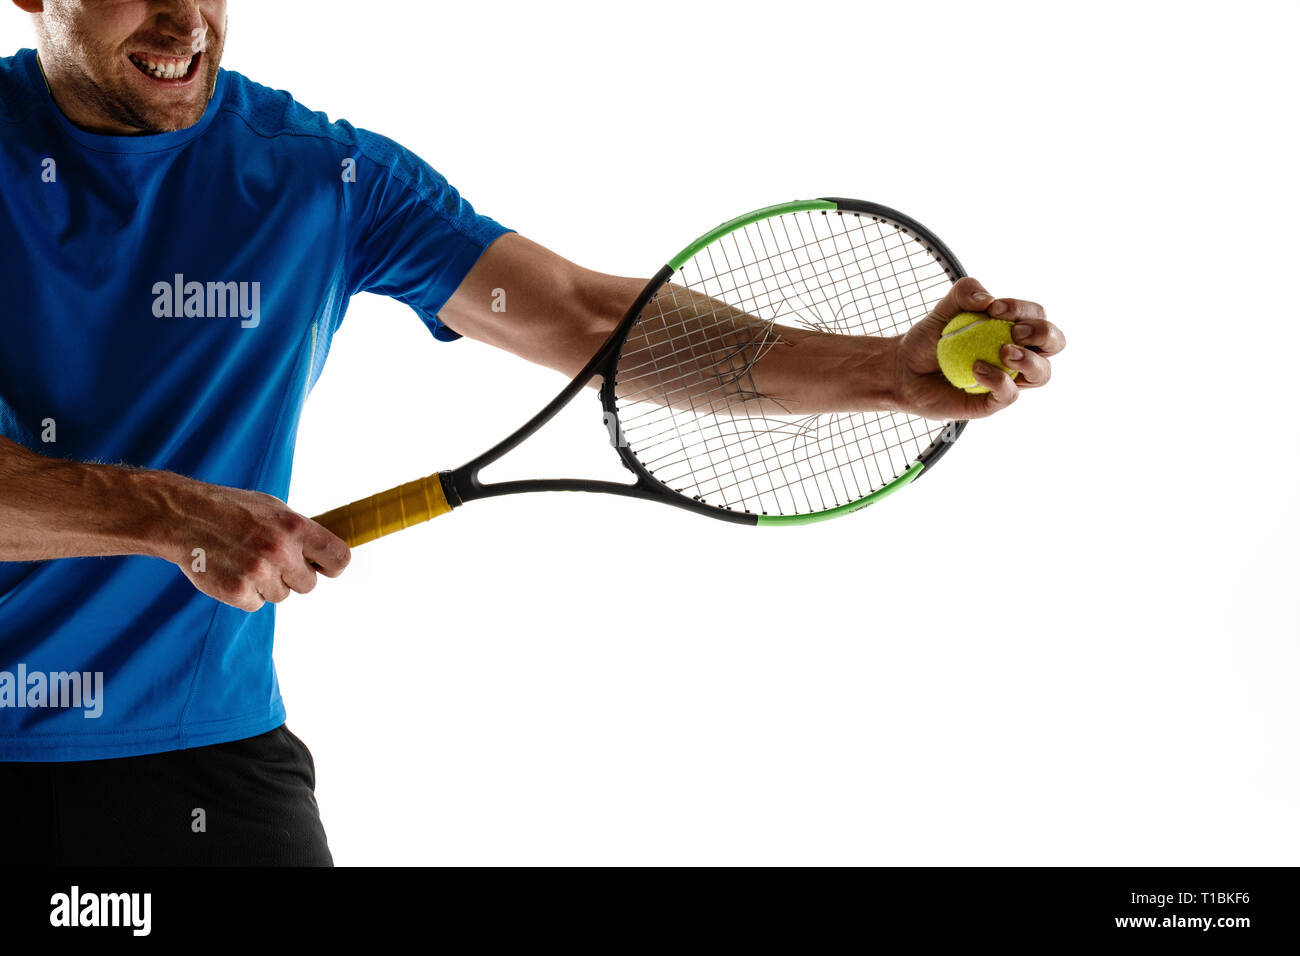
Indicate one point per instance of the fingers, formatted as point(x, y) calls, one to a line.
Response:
point(1034, 340)
point(1002, 391)
point(286, 567)
point(247, 600)
point(1038, 334)
point(1031, 329)
point(1016, 310)
point(325, 551)
point(1035, 370)
point(249, 548)
point(300, 578)
point(274, 587)
point(320, 550)
point(273, 591)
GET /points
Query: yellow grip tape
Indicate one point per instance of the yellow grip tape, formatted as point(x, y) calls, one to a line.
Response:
point(388, 511)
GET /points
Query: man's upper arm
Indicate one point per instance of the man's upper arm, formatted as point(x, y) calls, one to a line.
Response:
point(525, 299)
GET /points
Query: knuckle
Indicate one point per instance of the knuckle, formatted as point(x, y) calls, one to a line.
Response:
point(248, 600)
point(257, 565)
point(273, 593)
point(1028, 311)
point(337, 557)
point(272, 552)
point(292, 523)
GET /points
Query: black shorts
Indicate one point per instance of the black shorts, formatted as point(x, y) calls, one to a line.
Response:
point(244, 803)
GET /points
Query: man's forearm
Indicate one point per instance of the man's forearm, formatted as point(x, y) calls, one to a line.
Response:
point(809, 373)
point(51, 508)
point(727, 361)
point(249, 547)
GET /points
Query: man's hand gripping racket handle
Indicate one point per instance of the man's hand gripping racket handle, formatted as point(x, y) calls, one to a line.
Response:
point(389, 511)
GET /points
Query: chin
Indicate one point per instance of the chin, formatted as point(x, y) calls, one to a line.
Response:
point(168, 104)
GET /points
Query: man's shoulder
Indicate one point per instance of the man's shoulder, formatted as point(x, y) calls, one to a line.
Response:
point(275, 113)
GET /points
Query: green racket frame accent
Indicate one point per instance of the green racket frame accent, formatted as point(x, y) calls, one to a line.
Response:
point(903, 479)
point(740, 222)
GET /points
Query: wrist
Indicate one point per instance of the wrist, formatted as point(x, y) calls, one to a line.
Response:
point(154, 514)
point(877, 379)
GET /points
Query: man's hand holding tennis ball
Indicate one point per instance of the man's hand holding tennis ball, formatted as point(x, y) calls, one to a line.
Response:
point(1012, 332)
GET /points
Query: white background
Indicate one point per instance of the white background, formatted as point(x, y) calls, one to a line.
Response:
point(1073, 643)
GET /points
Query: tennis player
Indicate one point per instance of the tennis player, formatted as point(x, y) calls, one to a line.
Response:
point(179, 248)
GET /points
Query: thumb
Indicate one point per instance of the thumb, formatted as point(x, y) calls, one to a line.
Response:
point(966, 295)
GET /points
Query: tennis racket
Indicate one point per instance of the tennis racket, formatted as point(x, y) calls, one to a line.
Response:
point(677, 378)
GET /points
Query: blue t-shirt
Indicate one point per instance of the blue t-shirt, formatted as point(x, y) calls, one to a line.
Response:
point(168, 302)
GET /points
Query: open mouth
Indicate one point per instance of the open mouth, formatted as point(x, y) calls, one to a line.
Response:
point(168, 70)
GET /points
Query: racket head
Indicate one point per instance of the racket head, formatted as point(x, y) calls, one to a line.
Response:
point(837, 265)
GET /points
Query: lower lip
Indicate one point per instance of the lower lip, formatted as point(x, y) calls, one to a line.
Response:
point(176, 84)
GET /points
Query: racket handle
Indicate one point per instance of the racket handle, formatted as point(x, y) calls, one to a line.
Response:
point(388, 511)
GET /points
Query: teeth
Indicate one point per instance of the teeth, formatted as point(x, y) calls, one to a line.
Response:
point(163, 71)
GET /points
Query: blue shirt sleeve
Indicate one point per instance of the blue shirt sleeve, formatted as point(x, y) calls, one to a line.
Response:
point(411, 234)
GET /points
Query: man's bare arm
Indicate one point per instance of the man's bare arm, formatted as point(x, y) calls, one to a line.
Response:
point(241, 547)
point(557, 314)
point(51, 508)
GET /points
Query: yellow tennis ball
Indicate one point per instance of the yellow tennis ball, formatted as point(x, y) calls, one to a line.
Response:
point(968, 338)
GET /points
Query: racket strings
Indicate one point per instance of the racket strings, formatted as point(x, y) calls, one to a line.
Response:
point(730, 356)
point(853, 469)
point(791, 457)
point(686, 400)
point(843, 283)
